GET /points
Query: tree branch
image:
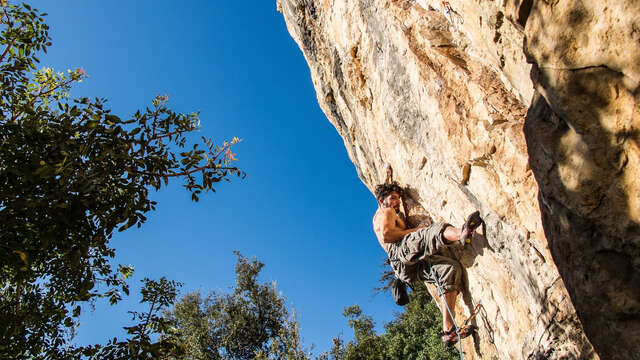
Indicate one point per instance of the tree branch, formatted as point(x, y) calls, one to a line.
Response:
point(40, 93)
point(154, 123)
point(9, 27)
point(18, 296)
point(6, 50)
point(227, 147)
point(161, 136)
point(153, 303)
point(184, 173)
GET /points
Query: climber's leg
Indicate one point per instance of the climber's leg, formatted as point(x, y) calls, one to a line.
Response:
point(470, 225)
point(450, 299)
point(451, 235)
point(416, 246)
point(447, 273)
point(433, 237)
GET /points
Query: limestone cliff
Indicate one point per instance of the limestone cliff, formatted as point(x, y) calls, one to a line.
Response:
point(526, 110)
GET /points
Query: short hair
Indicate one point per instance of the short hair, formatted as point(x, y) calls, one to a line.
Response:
point(383, 190)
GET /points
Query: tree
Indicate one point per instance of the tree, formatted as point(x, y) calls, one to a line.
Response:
point(251, 322)
point(71, 173)
point(151, 324)
point(413, 335)
point(366, 344)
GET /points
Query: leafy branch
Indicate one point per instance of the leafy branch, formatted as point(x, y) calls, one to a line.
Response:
point(71, 173)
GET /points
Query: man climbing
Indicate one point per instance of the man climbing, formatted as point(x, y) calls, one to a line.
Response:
point(409, 250)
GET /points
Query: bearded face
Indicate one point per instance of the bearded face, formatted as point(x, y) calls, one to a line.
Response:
point(392, 201)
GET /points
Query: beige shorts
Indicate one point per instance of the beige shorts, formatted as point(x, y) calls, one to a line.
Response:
point(409, 257)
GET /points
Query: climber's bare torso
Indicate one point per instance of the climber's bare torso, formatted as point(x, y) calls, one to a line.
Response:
point(384, 219)
point(387, 225)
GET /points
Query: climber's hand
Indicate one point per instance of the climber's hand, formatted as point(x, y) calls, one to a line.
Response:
point(426, 222)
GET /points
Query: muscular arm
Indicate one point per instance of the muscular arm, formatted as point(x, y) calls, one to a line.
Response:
point(391, 231)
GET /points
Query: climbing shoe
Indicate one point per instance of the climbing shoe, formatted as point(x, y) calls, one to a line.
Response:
point(473, 221)
point(450, 337)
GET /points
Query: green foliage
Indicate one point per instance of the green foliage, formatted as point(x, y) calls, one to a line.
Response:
point(366, 344)
point(251, 322)
point(412, 335)
point(141, 345)
point(415, 334)
point(71, 173)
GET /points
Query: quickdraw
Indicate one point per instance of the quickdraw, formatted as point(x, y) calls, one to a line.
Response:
point(466, 326)
point(457, 329)
point(451, 14)
point(467, 323)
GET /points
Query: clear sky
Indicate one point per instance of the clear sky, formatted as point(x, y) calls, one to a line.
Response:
point(301, 210)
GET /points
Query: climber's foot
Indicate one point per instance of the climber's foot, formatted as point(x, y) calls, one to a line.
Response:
point(473, 221)
point(450, 337)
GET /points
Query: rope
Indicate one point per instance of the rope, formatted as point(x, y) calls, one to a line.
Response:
point(453, 319)
point(467, 322)
point(389, 179)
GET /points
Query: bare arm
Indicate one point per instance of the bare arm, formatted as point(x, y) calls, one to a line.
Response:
point(391, 232)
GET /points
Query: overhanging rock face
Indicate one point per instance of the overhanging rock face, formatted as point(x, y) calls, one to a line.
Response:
point(526, 110)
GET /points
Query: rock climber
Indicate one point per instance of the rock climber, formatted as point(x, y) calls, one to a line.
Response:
point(408, 250)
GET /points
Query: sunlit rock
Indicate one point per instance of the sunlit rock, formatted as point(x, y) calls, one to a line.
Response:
point(526, 110)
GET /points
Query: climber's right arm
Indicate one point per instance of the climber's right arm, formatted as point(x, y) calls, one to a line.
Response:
point(391, 232)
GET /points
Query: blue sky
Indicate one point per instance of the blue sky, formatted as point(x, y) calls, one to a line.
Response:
point(301, 210)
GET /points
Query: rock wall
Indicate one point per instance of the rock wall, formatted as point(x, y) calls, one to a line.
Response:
point(526, 110)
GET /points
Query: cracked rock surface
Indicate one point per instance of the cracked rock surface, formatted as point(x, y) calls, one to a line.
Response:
point(525, 110)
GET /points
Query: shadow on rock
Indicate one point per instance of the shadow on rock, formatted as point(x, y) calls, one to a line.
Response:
point(581, 163)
